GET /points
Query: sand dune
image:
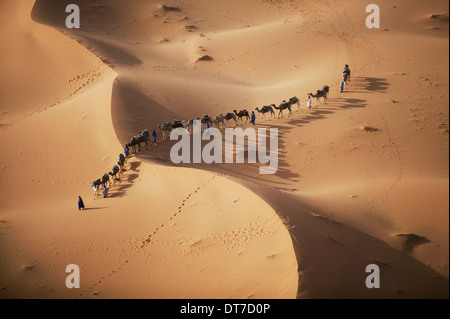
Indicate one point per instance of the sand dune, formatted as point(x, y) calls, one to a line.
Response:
point(362, 179)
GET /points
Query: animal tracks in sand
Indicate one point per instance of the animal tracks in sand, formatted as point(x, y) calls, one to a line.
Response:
point(212, 243)
point(75, 84)
point(399, 158)
point(138, 249)
point(179, 211)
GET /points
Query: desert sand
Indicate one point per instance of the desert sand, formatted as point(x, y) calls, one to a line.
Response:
point(362, 179)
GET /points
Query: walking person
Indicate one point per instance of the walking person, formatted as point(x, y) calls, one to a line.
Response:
point(95, 189)
point(154, 134)
point(253, 118)
point(208, 133)
point(105, 191)
point(126, 150)
point(309, 102)
point(80, 203)
point(341, 86)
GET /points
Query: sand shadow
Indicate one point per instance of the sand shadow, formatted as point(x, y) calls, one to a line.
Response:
point(91, 16)
point(133, 111)
point(349, 103)
point(128, 178)
point(332, 257)
point(368, 84)
point(410, 241)
point(94, 208)
point(109, 53)
point(285, 174)
point(161, 154)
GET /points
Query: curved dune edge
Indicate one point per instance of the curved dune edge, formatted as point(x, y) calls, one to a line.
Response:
point(211, 237)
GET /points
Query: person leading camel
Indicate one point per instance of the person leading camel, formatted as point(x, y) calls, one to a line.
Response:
point(154, 134)
point(253, 118)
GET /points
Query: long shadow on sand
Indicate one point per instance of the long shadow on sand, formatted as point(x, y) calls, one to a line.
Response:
point(126, 181)
point(88, 35)
point(133, 111)
point(367, 85)
point(94, 208)
point(285, 174)
point(332, 257)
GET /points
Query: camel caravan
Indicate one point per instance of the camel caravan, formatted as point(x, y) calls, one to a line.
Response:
point(221, 122)
point(109, 178)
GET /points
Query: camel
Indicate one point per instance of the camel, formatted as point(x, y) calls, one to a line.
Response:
point(206, 120)
point(121, 161)
point(144, 136)
point(346, 74)
point(190, 125)
point(294, 100)
point(134, 141)
point(115, 170)
point(241, 114)
point(230, 116)
point(283, 106)
point(105, 180)
point(265, 109)
point(95, 186)
point(166, 127)
point(178, 124)
point(323, 93)
point(145, 133)
point(137, 140)
point(218, 121)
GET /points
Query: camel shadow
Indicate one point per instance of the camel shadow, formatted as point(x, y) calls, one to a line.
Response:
point(134, 166)
point(369, 84)
point(285, 174)
point(246, 170)
point(375, 84)
point(127, 180)
point(348, 103)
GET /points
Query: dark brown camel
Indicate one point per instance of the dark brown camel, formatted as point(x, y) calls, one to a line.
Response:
point(294, 100)
point(265, 109)
point(165, 128)
point(283, 106)
point(241, 114)
point(230, 116)
point(323, 93)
